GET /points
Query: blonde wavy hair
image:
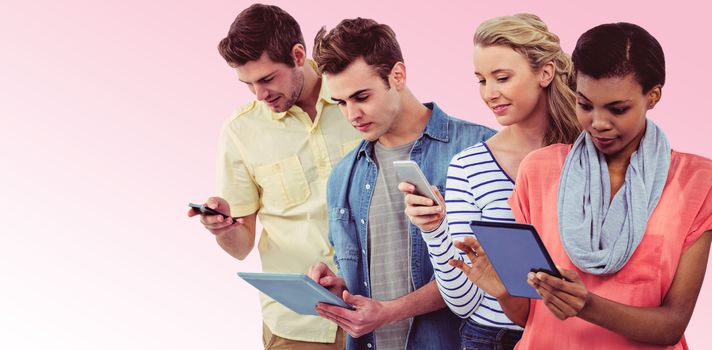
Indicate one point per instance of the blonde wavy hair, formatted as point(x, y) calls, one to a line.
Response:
point(528, 35)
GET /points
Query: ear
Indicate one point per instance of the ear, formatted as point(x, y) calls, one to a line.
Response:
point(397, 77)
point(654, 96)
point(546, 74)
point(299, 54)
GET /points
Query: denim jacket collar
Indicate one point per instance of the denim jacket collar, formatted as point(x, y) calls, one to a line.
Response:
point(437, 128)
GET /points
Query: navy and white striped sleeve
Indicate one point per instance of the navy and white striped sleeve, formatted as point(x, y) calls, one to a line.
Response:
point(461, 295)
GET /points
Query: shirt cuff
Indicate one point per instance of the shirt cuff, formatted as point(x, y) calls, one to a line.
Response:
point(429, 236)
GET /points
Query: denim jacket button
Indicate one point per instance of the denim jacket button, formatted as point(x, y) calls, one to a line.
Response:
point(368, 186)
point(363, 222)
point(369, 345)
point(365, 284)
point(341, 211)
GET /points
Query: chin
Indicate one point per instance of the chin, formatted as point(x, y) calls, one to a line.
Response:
point(608, 151)
point(369, 137)
point(506, 120)
point(279, 109)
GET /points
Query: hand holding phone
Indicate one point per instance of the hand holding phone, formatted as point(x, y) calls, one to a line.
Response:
point(421, 212)
point(409, 171)
point(205, 210)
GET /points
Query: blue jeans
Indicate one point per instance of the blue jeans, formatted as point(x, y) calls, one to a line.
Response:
point(474, 336)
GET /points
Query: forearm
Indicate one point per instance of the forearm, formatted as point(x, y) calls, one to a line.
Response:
point(421, 301)
point(458, 292)
point(657, 325)
point(239, 241)
point(516, 308)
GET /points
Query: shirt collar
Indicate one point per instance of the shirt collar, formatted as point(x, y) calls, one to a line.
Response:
point(324, 95)
point(437, 128)
point(438, 124)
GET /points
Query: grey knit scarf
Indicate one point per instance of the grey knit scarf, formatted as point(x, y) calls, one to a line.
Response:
point(600, 234)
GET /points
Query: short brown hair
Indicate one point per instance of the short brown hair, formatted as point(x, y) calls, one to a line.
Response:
point(354, 38)
point(261, 28)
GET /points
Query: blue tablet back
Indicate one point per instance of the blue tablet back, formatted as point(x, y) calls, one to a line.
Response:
point(294, 290)
point(514, 250)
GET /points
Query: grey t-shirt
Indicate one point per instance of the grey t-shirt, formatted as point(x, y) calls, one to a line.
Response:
point(389, 243)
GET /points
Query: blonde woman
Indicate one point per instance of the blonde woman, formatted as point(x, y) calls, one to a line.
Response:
point(524, 79)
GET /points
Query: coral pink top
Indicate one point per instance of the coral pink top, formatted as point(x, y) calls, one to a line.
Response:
point(683, 213)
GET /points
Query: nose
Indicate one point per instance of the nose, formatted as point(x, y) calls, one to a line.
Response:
point(599, 121)
point(261, 92)
point(353, 113)
point(490, 91)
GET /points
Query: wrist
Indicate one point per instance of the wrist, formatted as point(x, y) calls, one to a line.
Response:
point(434, 230)
point(228, 232)
point(503, 298)
point(588, 304)
point(392, 313)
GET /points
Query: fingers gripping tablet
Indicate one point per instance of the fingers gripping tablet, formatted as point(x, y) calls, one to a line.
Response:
point(294, 290)
point(514, 250)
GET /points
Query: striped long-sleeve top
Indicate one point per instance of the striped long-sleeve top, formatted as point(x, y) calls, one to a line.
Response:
point(476, 189)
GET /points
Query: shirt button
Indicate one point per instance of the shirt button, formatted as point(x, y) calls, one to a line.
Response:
point(363, 222)
point(368, 186)
point(341, 211)
point(365, 284)
point(369, 345)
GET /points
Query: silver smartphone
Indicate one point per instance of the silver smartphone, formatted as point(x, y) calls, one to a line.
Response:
point(409, 171)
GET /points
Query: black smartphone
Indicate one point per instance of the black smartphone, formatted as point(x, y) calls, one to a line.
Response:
point(207, 210)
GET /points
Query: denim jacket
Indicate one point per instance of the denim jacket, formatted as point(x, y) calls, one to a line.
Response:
point(349, 193)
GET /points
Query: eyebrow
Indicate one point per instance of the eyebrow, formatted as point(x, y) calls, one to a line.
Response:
point(260, 79)
point(498, 70)
point(607, 104)
point(358, 92)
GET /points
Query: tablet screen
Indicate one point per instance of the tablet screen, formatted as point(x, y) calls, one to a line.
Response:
point(514, 250)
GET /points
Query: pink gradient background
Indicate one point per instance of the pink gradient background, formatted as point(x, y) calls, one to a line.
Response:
point(110, 117)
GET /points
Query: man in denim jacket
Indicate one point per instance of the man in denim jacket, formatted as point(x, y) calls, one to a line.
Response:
point(384, 269)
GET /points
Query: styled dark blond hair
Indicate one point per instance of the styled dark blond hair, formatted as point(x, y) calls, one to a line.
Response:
point(528, 35)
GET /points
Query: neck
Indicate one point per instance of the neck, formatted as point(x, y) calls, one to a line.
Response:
point(409, 123)
point(527, 135)
point(310, 90)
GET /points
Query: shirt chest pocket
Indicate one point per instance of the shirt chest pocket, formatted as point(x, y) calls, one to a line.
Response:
point(283, 183)
point(346, 244)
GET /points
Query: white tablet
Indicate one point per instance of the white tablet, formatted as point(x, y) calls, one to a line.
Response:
point(294, 290)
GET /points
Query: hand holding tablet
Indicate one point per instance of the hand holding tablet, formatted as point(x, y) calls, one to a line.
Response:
point(293, 290)
point(513, 250)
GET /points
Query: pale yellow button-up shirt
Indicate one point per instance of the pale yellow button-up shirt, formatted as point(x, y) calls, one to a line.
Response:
point(277, 164)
